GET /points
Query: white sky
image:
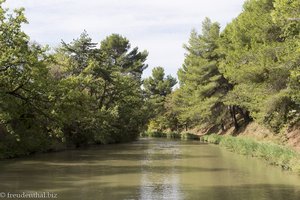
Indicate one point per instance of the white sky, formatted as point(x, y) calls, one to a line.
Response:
point(159, 26)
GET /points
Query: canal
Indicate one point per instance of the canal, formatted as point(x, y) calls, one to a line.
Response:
point(149, 169)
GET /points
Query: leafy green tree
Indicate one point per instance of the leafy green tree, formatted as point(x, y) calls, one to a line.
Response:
point(101, 89)
point(157, 87)
point(25, 90)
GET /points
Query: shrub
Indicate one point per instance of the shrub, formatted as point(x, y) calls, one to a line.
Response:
point(189, 136)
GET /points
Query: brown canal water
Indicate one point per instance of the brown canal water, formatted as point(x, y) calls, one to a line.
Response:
point(148, 169)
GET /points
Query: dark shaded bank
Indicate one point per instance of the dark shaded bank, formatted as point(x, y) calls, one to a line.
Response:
point(274, 154)
point(48, 145)
point(12, 149)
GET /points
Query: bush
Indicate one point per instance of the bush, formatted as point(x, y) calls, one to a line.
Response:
point(153, 134)
point(189, 136)
point(173, 135)
point(213, 138)
point(25, 144)
point(158, 134)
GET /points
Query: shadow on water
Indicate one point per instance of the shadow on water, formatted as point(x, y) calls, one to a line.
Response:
point(82, 172)
point(127, 152)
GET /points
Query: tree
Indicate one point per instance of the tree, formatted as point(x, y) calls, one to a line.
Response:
point(101, 90)
point(25, 89)
point(257, 62)
point(286, 14)
point(202, 86)
point(157, 87)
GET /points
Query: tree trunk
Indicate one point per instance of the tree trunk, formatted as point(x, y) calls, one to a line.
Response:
point(233, 116)
point(247, 117)
point(245, 114)
point(186, 126)
point(222, 126)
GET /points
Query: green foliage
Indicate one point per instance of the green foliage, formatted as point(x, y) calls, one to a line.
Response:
point(273, 153)
point(158, 84)
point(85, 93)
point(174, 135)
point(202, 86)
point(26, 91)
point(156, 134)
point(157, 88)
point(259, 56)
point(213, 138)
point(287, 15)
point(295, 85)
point(80, 94)
point(189, 136)
point(101, 97)
point(249, 71)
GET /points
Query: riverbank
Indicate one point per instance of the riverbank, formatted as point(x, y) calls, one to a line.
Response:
point(274, 154)
point(174, 135)
point(11, 150)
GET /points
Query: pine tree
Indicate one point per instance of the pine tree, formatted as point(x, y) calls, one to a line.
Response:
point(202, 86)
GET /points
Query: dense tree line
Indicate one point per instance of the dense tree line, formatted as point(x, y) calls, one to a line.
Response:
point(81, 93)
point(249, 71)
point(87, 93)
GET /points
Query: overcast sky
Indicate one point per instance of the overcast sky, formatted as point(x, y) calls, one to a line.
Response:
point(159, 26)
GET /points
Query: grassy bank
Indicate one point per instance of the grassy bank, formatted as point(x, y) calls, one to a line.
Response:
point(175, 135)
point(273, 153)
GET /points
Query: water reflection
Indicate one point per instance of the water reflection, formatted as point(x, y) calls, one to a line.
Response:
point(162, 184)
point(149, 169)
